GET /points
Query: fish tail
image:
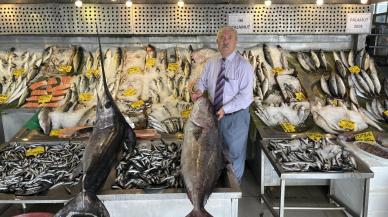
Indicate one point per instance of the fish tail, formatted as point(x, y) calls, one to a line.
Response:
point(84, 204)
point(199, 213)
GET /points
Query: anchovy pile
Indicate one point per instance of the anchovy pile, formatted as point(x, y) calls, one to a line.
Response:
point(150, 165)
point(58, 165)
point(304, 155)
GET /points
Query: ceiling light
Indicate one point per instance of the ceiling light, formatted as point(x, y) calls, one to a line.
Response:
point(267, 3)
point(128, 3)
point(78, 3)
point(320, 2)
point(180, 3)
point(364, 1)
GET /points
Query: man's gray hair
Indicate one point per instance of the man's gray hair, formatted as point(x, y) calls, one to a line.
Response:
point(222, 29)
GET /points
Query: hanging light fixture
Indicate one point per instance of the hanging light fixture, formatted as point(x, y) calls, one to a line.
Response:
point(78, 3)
point(180, 3)
point(267, 3)
point(320, 2)
point(128, 3)
point(364, 1)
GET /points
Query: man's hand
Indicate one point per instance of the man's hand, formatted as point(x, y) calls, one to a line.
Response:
point(195, 95)
point(220, 113)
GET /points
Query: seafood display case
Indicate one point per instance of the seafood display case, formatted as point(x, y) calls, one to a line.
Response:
point(358, 180)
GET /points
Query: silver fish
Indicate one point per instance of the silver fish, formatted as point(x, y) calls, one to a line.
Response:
point(375, 77)
point(368, 80)
point(44, 120)
point(315, 59)
point(202, 160)
point(340, 68)
point(340, 86)
point(322, 59)
point(324, 86)
point(344, 59)
point(351, 58)
point(333, 85)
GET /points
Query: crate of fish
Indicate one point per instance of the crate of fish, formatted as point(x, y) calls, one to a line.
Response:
point(150, 165)
point(35, 168)
point(308, 155)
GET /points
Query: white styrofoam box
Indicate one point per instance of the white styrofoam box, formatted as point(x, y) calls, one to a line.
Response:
point(380, 180)
point(378, 201)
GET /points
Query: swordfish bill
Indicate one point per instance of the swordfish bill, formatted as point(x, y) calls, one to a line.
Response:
point(109, 134)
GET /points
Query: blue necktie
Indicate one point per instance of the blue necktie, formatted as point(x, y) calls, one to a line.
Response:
point(218, 96)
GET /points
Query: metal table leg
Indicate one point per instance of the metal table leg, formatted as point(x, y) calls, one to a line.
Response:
point(262, 187)
point(331, 190)
point(364, 212)
point(282, 195)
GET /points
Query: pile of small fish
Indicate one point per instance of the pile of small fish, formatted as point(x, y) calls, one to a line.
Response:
point(150, 165)
point(58, 165)
point(375, 110)
point(305, 155)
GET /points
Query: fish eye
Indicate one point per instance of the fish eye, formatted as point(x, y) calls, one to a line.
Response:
point(108, 105)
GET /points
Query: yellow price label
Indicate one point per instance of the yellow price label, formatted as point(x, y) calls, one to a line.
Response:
point(3, 99)
point(134, 70)
point(92, 72)
point(333, 102)
point(150, 62)
point(137, 104)
point(186, 113)
point(277, 70)
point(179, 135)
point(288, 127)
point(130, 92)
point(56, 132)
point(300, 96)
point(347, 124)
point(365, 137)
point(173, 66)
point(44, 99)
point(315, 136)
point(35, 151)
point(65, 68)
point(85, 97)
point(18, 72)
point(386, 113)
point(354, 69)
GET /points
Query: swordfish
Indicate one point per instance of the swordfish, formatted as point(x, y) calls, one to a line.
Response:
point(110, 132)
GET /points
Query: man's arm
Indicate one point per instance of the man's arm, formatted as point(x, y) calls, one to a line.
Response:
point(245, 95)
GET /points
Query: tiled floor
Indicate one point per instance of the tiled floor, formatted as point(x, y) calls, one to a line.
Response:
point(250, 206)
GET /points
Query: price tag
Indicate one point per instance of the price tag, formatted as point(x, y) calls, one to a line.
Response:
point(134, 70)
point(3, 99)
point(386, 113)
point(354, 69)
point(18, 72)
point(277, 70)
point(150, 62)
point(65, 68)
point(333, 102)
point(179, 135)
point(315, 136)
point(300, 96)
point(365, 137)
point(288, 127)
point(92, 72)
point(130, 92)
point(173, 67)
point(347, 124)
point(186, 113)
point(137, 104)
point(44, 99)
point(35, 151)
point(85, 97)
point(55, 132)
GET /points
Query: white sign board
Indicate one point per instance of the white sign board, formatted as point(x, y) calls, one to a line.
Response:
point(358, 23)
point(243, 23)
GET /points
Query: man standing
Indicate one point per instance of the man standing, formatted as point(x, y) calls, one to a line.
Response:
point(228, 81)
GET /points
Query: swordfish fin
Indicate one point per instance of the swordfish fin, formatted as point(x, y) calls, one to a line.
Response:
point(199, 213)
point(84, 204)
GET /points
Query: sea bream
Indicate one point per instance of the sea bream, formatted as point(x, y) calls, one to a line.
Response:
point(201, 159)
point(109, 134)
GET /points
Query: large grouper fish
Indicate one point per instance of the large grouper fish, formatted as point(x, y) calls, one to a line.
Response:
point(202, 159)
point(110, 132)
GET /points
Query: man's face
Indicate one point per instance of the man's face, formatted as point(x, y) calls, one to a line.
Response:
point(226, 42)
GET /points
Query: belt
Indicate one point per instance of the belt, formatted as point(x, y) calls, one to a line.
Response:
point(232, 113)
